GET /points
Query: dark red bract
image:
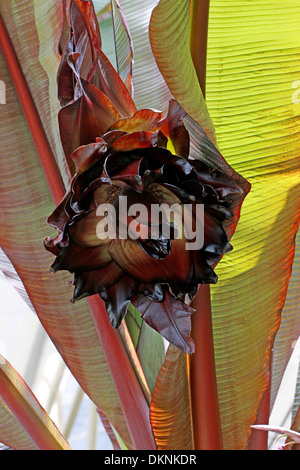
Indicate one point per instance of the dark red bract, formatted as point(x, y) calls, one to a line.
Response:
point(145, 157)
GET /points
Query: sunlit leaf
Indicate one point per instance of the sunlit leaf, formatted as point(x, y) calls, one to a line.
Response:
point(170, 411)
point(169, 32)
point(257, 126)
point(11, 432)
point(24, 424)
point(249, 96)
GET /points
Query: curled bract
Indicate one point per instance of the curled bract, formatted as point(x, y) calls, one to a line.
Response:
point(128, 162)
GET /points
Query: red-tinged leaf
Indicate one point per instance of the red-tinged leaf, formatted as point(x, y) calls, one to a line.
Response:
point(170, 317)
point(109, 431)
point(25, 205)
point(65, 82)
point(87, 15)
point(125, 381)
point(172, 126)
point(20, 411)
point(108, 80)
point(207, 430)
point(11, 432)
point(170, 409)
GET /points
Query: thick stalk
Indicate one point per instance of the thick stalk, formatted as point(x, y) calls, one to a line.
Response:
point(133, 402)
point(259, 439)
point(204, 396)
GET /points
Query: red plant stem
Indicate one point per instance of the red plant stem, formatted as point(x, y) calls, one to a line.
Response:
point(204, 396)
point(259, 438)
point(203, 384)
point(32, 117)
point(198, 38)
point(133, 402)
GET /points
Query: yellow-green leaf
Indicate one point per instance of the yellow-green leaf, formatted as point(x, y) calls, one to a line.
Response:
point(169, 32)
point(253, 60)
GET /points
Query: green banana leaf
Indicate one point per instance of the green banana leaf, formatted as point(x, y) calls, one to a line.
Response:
point(252, 60)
